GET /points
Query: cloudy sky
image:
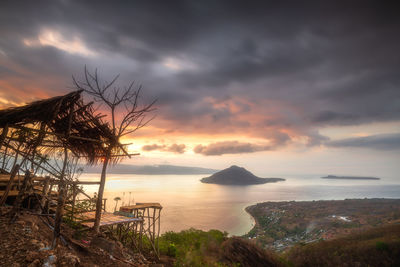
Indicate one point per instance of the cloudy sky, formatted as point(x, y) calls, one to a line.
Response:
point(275, 86)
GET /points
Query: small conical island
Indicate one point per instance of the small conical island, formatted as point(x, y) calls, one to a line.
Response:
point(235, 175)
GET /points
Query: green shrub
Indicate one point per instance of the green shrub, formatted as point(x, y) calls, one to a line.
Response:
point(381, 245)
point(192, 247)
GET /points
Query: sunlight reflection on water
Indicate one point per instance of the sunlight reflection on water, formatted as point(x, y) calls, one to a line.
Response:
point(189, 203)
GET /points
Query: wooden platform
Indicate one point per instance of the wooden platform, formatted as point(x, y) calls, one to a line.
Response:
point(107, 219)
point(131, 208)
point(151, 215)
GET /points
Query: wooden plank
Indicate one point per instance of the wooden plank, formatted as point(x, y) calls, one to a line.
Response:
point(12, 193)
point(107, 219)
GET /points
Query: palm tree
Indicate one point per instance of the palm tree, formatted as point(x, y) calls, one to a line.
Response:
point(116, 199)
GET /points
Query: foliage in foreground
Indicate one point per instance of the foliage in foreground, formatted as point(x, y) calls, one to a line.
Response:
point(375, 247)
point(213, 248)
point(193, 247)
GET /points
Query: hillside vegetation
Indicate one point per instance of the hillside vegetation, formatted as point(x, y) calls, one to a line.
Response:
point(379, 246)
point(214, 249)
point(375, 247)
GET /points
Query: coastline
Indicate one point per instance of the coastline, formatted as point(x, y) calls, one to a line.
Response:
point(282, 224)
point(253, 218)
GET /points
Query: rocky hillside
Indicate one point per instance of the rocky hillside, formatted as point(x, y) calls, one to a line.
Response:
point(26, 242)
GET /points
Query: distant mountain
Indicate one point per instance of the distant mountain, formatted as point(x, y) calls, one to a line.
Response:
point(350, 177)
point(151, 169)
point(235, 175)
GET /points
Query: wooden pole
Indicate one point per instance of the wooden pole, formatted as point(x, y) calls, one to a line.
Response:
point(141, 235)
point(61, 189)
point(154, 224)
point(21, 194)
point(3, 135)
point(74, 193)
point(9, 185)
point(158, 231)
point(45, 190)
point(60, 203)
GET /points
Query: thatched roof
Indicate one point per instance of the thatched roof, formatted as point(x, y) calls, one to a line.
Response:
point(38, 111)
point(81, 132)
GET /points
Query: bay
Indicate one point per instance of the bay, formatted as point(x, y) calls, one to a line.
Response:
point(188, 203)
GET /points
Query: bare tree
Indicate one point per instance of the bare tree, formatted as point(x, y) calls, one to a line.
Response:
point(126, 115)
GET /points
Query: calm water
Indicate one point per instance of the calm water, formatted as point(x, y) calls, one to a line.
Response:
point(189, 203)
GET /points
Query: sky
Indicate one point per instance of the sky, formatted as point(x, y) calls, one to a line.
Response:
point(279, 87)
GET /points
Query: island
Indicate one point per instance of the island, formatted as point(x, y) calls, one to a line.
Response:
point(350, 177)
point(235, 175)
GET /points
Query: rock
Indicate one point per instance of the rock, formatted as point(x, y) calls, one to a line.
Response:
point(32, 225)
point(120, 244)
point(103, 243)
point(40, 245)
point(35, 263)
point(31, 256)
point(50, 261)
point(20, 222)
point(69, 260)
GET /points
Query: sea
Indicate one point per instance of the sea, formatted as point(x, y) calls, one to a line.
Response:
point(188, 203)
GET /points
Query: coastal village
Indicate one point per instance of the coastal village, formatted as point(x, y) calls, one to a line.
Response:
point(281, 225)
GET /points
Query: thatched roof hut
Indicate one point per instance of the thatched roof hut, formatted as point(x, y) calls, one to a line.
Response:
point(67, 122)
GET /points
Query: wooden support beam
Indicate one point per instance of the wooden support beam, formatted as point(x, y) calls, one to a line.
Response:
point(57, 134)
point(112, 156)
point(10, 182)
point(17, 203)
point(25, 155)
point(45, 191)
point(3, 135)
point(74, 193)
point(60, 203)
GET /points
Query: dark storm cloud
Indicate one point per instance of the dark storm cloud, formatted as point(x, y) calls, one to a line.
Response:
point(334, 63)
point(229, 147)
point(379, 142)
point(332, 117)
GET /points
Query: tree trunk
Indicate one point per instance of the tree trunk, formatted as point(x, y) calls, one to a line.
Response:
point(99, 203)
